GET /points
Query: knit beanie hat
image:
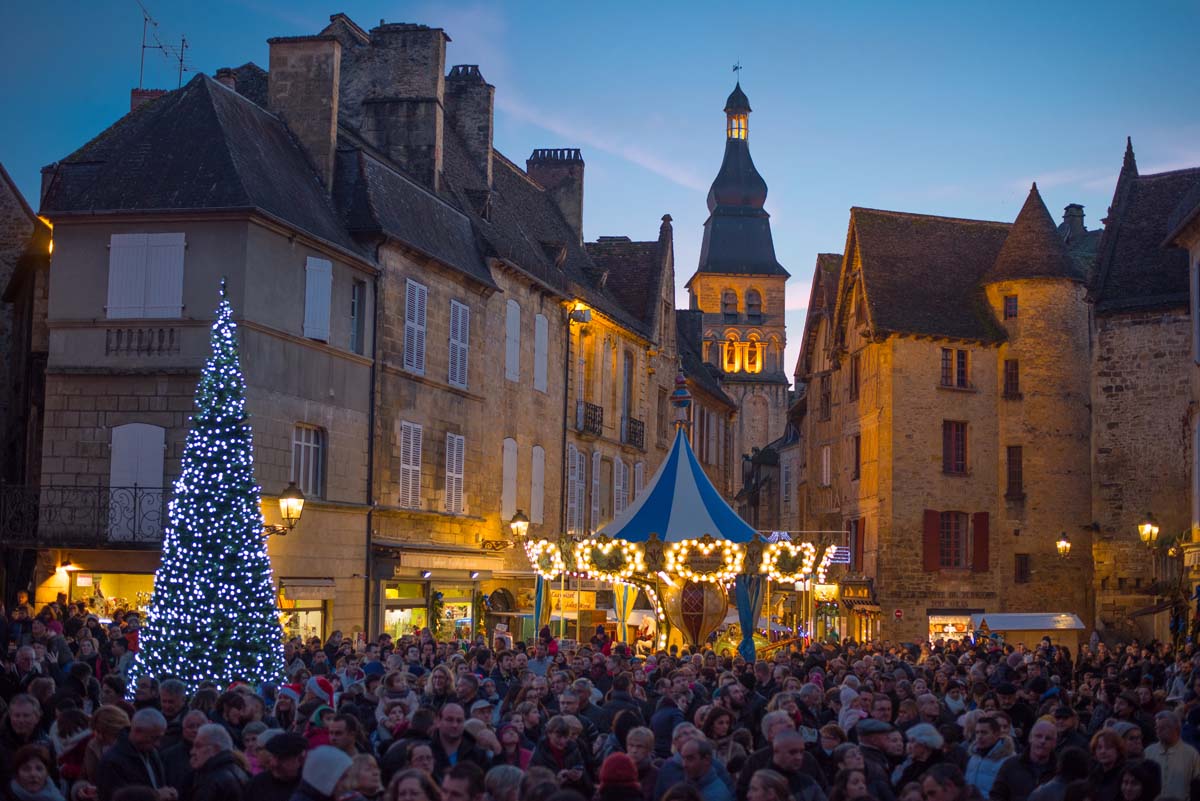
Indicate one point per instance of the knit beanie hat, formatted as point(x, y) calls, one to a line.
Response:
point(619, 770)
point(324, 767)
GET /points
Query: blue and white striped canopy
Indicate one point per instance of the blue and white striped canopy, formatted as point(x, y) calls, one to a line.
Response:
point(679, 503)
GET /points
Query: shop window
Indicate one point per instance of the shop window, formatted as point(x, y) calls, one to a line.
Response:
point(308, 455)
point(303, 619)
point(105, 593)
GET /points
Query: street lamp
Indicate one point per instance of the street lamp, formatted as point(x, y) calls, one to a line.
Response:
point(1063, 545)
point(1148, 531)
point(291, 506)
point(519, 524)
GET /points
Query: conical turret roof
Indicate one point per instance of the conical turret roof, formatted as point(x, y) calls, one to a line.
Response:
point(737, 103)
point(1033, 247)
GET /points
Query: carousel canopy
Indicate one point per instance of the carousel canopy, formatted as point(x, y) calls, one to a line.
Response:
point(679, 503)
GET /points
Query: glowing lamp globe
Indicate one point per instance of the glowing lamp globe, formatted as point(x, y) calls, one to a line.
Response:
point(291, 505)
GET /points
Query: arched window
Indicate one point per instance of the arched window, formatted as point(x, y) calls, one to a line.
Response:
point(753, 360)
point(754, 309)
point(729, 305)
point(733, 354)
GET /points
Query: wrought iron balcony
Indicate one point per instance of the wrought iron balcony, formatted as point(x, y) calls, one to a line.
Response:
point(589, 418)
point(633, 432)
point(76, 516)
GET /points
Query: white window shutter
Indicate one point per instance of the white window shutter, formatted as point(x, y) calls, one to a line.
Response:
point(164, 275)
point(460, 337)
point(318, 285)
point(573, 500)
point(537, 485)
point(410, 464)
point(136, 460)
point(580, 489)
point(595, 524)
point(512, 341)
point(620, 485)
point(508, 495)
point(454, 473)
point(639, 471)
point(127, 254)
point(415, 298)
point(541, 344)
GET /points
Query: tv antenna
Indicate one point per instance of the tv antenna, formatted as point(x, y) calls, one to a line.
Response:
point(151, 41)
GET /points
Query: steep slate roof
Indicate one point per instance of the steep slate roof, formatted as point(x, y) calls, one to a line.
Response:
point(202, 146)
point(1136, 269)
point(635, 274)
point(1187, 210)
point(823, 293)
point(1033, 248)
point(922, 273)
point(688, 325)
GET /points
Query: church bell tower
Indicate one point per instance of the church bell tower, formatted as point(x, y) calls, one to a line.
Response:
point(739, 287)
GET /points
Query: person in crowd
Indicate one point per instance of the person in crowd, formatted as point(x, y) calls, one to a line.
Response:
point(1020, 774)
point(324, 776)
point(281, 764)
point(1072, 767)
point(32, 776)
point(218, 775)
point(134, 758)
point(1108, 763)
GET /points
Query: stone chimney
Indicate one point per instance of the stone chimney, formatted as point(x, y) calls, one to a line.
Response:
point(228, 77)
point(1073, 219)
point(302, 88)
point(560, 172)
point(140, 97)
point(395, 92)
point(469, 106)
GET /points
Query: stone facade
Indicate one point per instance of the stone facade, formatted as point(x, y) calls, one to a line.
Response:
point(1143, 443)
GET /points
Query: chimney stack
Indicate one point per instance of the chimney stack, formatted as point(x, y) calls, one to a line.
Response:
point(398, 93)
point(228, 77)
point(469, 104)
point(560, 172)
point(302, 88)
point(140, 97)
point(1073, 218)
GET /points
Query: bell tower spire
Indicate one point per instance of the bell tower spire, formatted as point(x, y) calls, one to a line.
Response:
point(737, 113)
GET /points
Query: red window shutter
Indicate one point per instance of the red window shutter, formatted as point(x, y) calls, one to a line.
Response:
point(933, 524)
point(980, 561)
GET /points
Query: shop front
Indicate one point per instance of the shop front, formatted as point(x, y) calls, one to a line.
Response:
point(304, 606)
point(104, 581)
point(861, 621)
point(950, 624)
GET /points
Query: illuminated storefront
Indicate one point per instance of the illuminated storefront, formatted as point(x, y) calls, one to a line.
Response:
point(304, 606)
point(106, 592)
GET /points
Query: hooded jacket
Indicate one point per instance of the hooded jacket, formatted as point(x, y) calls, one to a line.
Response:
point(982, 767)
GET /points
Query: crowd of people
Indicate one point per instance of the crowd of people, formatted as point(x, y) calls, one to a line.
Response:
point(416, 719)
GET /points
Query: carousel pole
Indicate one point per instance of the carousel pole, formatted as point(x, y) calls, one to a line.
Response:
point(768, 610)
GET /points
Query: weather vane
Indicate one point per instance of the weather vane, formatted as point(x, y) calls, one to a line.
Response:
point(738, 67)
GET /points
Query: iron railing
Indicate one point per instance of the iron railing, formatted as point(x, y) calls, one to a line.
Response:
point(97, 517)
point(633, 432)
point(589, 418)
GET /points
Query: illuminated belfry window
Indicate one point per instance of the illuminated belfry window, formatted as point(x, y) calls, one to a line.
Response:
point(737, 126)
point(744, 357)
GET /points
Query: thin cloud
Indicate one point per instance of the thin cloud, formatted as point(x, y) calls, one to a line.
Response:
point(611, 144)
point(797, 293)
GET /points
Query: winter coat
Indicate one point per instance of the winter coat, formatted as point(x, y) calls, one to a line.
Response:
point(571, 758)
point(1018, 777)
point(982, 767)
point(70, 752)
point(617, 702)
point(123, 765)
point(265, 787)
point(663, 725)
point(221, 778)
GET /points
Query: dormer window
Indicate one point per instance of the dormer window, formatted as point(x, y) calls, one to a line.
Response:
point(737, 125)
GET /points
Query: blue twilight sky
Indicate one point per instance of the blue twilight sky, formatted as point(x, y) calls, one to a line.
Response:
point(943, 108)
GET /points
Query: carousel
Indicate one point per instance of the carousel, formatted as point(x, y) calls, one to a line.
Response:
point(683, 546)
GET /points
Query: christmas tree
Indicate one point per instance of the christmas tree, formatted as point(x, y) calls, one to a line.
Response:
point(213, 614)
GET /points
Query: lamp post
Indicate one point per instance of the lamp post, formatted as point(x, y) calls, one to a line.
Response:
point(1063, 545)
point(519, 524)
point(291, 506)
point(1148, 531)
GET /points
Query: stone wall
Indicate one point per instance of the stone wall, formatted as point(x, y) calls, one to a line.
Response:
point(16, 228)
point(1142, 441)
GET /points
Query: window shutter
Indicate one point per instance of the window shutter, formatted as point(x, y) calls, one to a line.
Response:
point(620, 483)
point(460, 336)
point(318, 277)
point(639, 471)
point(136, 460)
point(860, 535)
point(512, 342)
point(127, 254)
point(410, 465)
point(595, 491)
point(541, 343)
point(980, 543)
point(164, 275)
point(573, 500)
point(415, 297)
point(580, 488)
point(933, 534)
point(537, 485)
point(454, 473)
point(508, 497)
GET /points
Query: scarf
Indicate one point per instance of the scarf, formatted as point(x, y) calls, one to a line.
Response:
point(48, 792)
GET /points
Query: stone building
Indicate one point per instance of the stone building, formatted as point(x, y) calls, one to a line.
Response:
point(739, 288)
point(421, 322)
point(932, 433)
point(712, 413)
point(1143, 361)
point(1184, 232)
